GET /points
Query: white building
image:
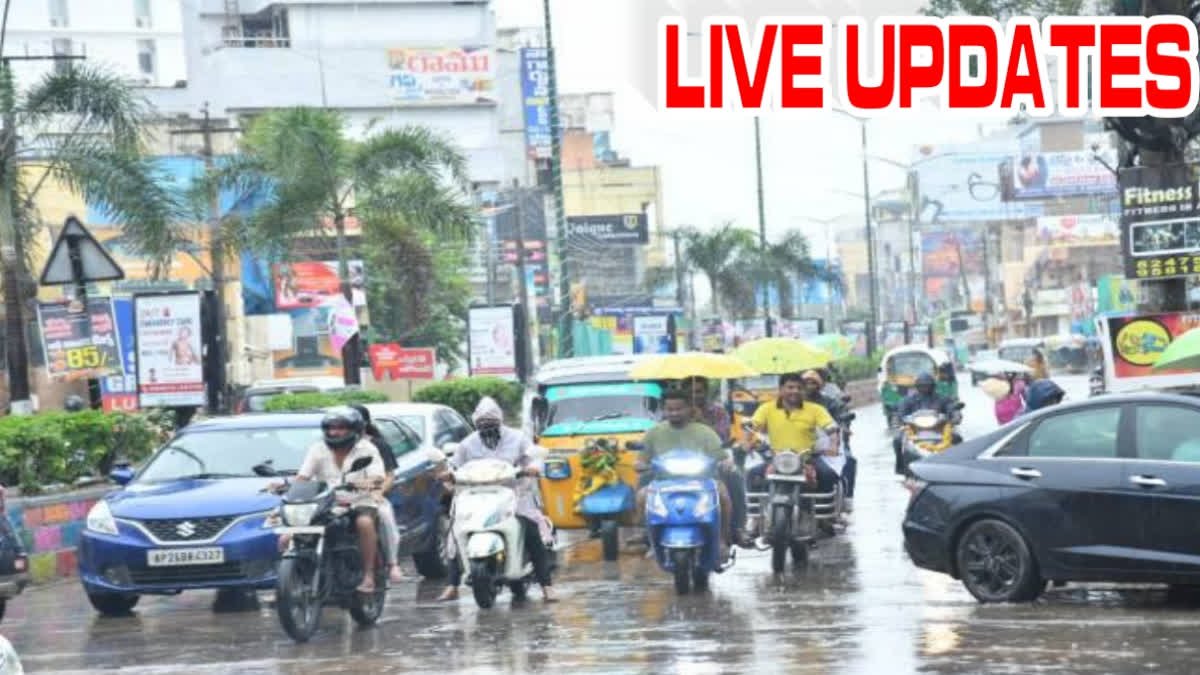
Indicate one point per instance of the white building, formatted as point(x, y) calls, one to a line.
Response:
point(386, 63)
point(140, 39)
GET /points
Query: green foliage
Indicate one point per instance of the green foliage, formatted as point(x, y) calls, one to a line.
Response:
point(316, 400)
point(464, 394)
point(61, 447)
point(854, 368)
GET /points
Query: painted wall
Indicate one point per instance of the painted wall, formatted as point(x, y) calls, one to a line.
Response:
point(49, 529)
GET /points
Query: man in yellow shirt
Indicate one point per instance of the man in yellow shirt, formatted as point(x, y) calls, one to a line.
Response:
point(791, 423)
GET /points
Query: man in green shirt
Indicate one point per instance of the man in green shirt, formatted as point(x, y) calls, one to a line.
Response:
point(679, 432)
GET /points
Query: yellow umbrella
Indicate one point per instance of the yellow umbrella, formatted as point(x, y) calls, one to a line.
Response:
point(774, 356)
point(691, 364)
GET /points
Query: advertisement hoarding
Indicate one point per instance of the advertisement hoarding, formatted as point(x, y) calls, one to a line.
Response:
point(1047, 175)
point(1132, 345)
point(651, 335)
point(441, 75)
point(312, 284)
point(619, 229)
point(1093, 229)
point(77, 344)
point(962, 183)
point(400, 363)
point(167, 334)
point(1160, 221)
point(119, 392)
point(492, 342)
point(535, 93)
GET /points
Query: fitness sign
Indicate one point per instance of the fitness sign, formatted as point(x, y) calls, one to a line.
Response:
point(1160, 221)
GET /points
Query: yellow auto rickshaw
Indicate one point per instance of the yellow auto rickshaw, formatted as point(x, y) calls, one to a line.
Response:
point(898, 374)
point(590, 407)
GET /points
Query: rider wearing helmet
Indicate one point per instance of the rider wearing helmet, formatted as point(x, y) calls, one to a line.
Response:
point(341, 444)
point(925, 398)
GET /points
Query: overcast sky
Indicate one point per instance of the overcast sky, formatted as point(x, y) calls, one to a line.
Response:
point(708, 164)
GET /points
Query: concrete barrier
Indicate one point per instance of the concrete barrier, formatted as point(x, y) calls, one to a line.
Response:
point(49, 528)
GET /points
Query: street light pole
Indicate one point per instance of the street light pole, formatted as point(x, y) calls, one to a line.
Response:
point(762, 222)
point(566, 339)
point(870, 241)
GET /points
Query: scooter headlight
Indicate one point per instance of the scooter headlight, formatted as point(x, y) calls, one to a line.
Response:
point(703, 505)
point(925, 421)
point(787, 462)
point(299, 515)
point(685, 466)
point(657, 505)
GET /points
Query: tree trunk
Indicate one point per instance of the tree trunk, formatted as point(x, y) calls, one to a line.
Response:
point(716, 292)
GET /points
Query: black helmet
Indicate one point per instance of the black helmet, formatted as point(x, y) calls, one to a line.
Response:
point(342, 417)
point(925, 382)
point(74, 403)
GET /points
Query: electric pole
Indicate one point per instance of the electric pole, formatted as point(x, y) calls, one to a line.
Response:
point(565, 338)
point(12, 249)
point(522, 283)
point(216, 243)
point(870, 242)
point(762, 224)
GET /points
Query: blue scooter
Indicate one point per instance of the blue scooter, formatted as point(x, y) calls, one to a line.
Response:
point(683, 518)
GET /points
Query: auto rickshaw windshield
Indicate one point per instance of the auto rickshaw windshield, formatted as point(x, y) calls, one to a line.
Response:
point(910, 365)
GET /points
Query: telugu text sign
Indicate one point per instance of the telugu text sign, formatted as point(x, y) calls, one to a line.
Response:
point(400, 363)
point(535, 92)
point(79, 344)
point(424, 75)
point(169, 369)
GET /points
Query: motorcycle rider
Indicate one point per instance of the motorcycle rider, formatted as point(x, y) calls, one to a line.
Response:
point(814, 391)
point(679, 431)
point(925, 398)
point(792, 424)
point(493, 440)
point(716, 417)
point(341, 443)
point(387, 516)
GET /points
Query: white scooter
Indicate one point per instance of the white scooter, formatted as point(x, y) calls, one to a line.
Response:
point(486, 530)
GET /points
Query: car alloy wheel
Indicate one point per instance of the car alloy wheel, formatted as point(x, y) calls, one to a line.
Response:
point(996, 565)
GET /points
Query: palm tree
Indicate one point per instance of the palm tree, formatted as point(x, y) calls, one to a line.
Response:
point(784, 262)
point(406, 187)
point(85, 128)
point(717, 254)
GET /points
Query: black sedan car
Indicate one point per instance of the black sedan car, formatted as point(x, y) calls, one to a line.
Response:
point(1106, 489)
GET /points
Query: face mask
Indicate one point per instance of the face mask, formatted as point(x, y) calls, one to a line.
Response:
point(490, 435)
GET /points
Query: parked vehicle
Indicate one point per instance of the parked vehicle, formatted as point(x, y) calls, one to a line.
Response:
point(982, 356)
point(255, 398)
point(683, 518)
point(487, 531)
point(193, 516)
point(1097, 490)
point(436, 425)
point(323, 564)
point(604, 506)
point(14, 563)
point(898, 374)
point(784, 507)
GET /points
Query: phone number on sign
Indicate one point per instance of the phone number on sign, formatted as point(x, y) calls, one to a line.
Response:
point(1167, 267)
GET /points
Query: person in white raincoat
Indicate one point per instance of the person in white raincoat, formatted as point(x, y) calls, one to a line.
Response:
point(493, 440)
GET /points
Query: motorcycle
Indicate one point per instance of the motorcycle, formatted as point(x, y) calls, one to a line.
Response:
point(926, 432)
point(790, 515)
point(683, 518)
point(487, 532)
point(323, 564)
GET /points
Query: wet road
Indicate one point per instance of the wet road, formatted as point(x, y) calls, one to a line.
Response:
point(860, 607)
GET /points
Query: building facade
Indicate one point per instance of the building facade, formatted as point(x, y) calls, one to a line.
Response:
point(142, 40)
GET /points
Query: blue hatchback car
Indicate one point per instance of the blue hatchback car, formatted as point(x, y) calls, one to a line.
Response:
point(193, 516)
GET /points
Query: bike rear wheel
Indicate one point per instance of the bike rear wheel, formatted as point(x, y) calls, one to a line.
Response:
point(609, 535)
point(296, 600)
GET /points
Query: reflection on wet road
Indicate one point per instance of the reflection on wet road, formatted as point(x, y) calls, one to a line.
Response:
point(860, 607)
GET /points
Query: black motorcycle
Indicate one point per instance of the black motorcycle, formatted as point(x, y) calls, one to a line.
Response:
point(323, 565)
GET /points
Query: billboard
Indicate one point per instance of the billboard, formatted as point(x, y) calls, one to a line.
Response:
point(1047, 175)
point(1093, 229)
point(492, 342)
point(1132, 344)
point(945, 254)
point(400, 363)
point(1116, 294)
point(78, 344)
point(962, 183)
point(441, 75)
point(313, 284)
point(167, 333)
point(1160, 221)
point(535, 94)
point(618, 229)
point(119, 392)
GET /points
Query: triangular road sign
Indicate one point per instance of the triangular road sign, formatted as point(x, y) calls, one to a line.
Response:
point(95, 262)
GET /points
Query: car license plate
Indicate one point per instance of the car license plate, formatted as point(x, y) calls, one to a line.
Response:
point(170, 557)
